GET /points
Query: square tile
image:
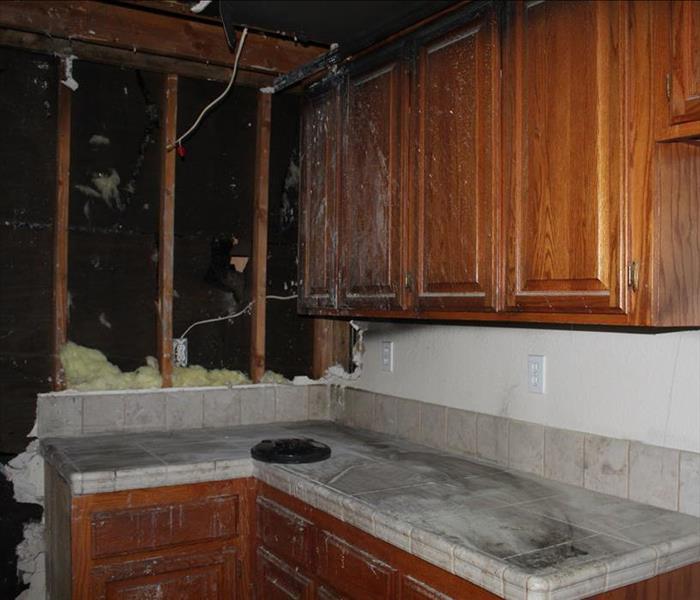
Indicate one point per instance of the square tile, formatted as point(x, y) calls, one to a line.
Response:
point(407, 419)
point(385, 420)
point(257, 404)
point(319, 402)
point(461, 431)
point(689, 490)
point(144, 412)
point(59, 415)
point(654, 475)
point(103, 413)
point(222, 408)
point(492, 438)
point(526, 447)
point(605, 465)
point(563, 455)
point(183, 410)
point(292, 402)
point(433, 425)
point(359, 405)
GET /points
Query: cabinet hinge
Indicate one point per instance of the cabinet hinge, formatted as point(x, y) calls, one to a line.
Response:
point(668, 86)
point(633, 275)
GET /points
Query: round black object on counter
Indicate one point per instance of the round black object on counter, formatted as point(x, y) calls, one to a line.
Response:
point(290, 451)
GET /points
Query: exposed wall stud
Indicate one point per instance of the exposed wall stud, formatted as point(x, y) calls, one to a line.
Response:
point(260, 209)
point(166, 231)
point(60, 230)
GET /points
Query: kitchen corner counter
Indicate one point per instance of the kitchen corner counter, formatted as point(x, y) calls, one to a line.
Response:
point(514, 534)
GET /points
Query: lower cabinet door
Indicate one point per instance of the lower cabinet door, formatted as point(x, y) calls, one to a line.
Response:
point(195, 576)
point(277, 580)
point(353, 572)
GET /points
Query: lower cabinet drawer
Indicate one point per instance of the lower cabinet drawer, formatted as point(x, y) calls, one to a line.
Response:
point(168, 524)
point(277, 580)
point(353, 572)
point(192, 576)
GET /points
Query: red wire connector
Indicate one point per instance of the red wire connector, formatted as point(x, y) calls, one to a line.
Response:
point(181, 152)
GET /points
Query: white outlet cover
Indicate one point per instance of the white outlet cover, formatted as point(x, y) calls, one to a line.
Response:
point(536, 373)
point(387, 358)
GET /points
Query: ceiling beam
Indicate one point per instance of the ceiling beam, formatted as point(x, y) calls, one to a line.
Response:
point(158, 34)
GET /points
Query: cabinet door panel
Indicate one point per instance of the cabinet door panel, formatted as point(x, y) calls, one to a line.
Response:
point(352, 571)
point(195, 576)
point(685, 85)
point(371, 232)
point(456, 131)
point(318, 234)
point(284, 532)
point(279, 581)
point(564, 156)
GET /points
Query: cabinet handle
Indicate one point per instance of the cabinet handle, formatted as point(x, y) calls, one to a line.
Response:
point(408, 281)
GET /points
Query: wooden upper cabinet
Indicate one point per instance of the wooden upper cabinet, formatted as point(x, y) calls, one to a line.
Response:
point(455, 132)
point(371, 234)
point(564, 156)
point(685, 75)
point(318, 231)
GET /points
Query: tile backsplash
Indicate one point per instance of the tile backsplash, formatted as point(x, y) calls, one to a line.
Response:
point(662, 477)
point(85, 413)
point(654, 475)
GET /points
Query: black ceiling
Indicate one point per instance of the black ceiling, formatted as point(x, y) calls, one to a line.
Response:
point(351, 24)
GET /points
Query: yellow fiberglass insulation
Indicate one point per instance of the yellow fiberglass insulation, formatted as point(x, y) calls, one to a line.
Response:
point(88, 369)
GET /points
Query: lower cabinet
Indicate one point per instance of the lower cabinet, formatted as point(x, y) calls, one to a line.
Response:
point(242, 539)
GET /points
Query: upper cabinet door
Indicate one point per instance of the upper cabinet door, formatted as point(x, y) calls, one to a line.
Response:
point(457, 186)
point(685, 77)
point(317, 231)
point(371, 211)
point(564, 156)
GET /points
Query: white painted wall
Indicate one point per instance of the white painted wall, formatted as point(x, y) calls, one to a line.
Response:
point(643, 387)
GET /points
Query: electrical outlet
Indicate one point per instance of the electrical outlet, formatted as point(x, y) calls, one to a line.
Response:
point(180, 352)
point(388, 356)
point(535, 374)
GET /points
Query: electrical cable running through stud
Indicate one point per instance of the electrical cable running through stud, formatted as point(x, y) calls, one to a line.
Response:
point(216, 100)
point(233, 316)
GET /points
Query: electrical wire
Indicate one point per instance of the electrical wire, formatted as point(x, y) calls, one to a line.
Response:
point(233, 316)
point(216, 100)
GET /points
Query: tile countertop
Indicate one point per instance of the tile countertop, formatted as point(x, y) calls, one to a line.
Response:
point(517, 535)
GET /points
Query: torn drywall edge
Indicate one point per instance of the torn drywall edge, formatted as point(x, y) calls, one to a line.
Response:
point(336, 374)
point(68, 80)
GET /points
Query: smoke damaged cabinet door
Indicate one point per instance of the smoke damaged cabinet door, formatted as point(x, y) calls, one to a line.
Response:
point(318, 230)
point(372, 240)
point(455, 144)
point(564, 156)
point(685, 76)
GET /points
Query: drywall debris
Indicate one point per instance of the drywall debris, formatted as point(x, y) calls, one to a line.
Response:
point(68, 80)
point(336, 372)
point(200, 6)
point(26, 472)
point(99, 140)
point(290, 194)
point(104, 322)
point(31, 564)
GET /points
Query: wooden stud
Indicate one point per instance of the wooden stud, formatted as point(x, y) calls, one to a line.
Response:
point(331, 346)
point(262, 181)
point(140, 31)
point(166, 231)
point(129, 59)
point(60, 231)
